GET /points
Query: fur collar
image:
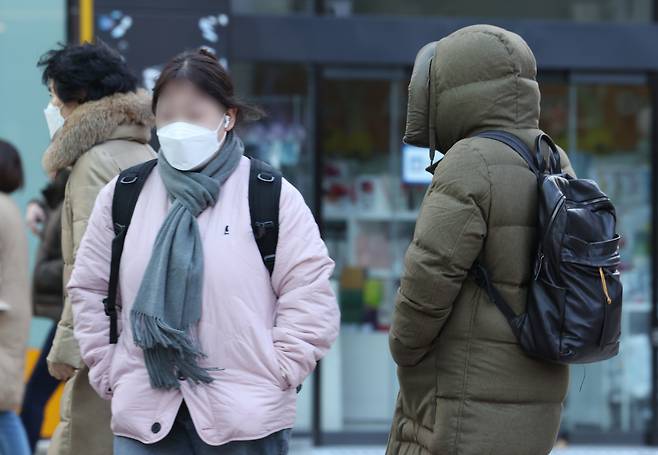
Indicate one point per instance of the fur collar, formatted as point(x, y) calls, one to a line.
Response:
point(95, 122)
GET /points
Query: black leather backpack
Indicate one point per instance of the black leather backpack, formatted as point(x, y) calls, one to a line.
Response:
point(573, 312)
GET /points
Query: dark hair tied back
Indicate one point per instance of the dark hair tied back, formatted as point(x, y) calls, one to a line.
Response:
point(205, 52)
point(202, 68)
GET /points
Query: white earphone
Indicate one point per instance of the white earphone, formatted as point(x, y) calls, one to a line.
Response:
point(227, 120)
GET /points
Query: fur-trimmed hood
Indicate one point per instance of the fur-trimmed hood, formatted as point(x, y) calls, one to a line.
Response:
point(124, 116)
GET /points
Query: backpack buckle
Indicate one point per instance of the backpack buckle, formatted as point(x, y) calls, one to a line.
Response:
point(267, 178)
point(119, 228)
point(262, 228)
point(127, 180)
point(113, 311)
point(270, 259)
point(108, 311)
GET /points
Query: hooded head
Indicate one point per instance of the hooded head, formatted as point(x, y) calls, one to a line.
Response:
point(480, 77)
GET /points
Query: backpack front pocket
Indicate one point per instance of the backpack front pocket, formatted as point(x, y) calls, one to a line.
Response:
point(589, 273)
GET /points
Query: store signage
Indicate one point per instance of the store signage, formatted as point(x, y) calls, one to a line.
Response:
point(414, 164)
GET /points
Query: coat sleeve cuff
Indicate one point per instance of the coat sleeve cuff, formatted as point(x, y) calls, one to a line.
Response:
point(65, 348)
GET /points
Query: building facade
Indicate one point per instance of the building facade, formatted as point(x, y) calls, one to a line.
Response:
point(332, 76)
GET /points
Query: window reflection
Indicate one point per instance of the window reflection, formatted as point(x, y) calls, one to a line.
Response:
point(608, 135)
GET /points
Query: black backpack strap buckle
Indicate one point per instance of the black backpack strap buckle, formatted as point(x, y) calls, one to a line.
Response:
point(262, 227)
point(265, 177)
point(119, 228)
point(111, 312)
point(264, 194)
point(109, 309)
point(269, 260)
point(129, 179)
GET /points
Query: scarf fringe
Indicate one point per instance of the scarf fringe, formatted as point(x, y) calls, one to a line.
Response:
point(169, 301)
point(168, 352)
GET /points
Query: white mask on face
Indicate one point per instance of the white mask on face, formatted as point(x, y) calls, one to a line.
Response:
point(54, 118)
point(187, 146)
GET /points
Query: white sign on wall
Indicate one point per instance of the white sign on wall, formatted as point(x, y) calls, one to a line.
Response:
point(414, 162)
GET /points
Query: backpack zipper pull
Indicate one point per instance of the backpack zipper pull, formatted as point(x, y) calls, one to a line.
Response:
point(605, 286)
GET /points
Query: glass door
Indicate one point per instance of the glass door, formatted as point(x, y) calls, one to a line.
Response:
point(368, 215)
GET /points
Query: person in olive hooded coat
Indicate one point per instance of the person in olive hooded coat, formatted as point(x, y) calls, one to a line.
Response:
point(466, 387)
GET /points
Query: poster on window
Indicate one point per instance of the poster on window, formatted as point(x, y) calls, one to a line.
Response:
point(150, 32)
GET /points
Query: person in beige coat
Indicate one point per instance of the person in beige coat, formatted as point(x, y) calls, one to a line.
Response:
point(100, 125)
point(15, 308)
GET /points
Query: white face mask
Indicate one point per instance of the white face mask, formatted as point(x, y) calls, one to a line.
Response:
point(54, 118)
point(187, 146)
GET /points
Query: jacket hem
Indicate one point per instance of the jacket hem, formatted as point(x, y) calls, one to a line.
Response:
point(265, 434)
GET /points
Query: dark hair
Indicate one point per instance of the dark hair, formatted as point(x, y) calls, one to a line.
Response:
point(86, 72)
point(202, 69)
point(11, 168)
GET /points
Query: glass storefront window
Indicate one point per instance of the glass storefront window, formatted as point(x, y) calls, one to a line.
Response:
point(577, 10)
point(369, 213)
point(281, 138)
point(608, 140)
point(555, 111)
point(368, 216)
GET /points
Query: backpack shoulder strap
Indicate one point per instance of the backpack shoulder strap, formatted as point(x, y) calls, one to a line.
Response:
point(126, 193)
point(264, 195)
point(481, 277)
point(129, 185)
point(517, 145)
point(478, 272)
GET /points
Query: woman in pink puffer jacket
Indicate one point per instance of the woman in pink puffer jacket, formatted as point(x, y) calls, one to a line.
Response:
point(211, 348)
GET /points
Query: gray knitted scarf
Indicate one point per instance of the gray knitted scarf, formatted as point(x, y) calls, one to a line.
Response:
point(168, 304)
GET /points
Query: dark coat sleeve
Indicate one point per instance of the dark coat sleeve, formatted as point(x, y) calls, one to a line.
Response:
point(49, 266)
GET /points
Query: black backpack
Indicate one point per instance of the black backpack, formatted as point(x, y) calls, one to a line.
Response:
point(573, 312)
point(264, 194)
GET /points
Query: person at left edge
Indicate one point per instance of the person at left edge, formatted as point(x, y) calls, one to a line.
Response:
point(100, 124)
point(14, 304)
point(47, 298)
